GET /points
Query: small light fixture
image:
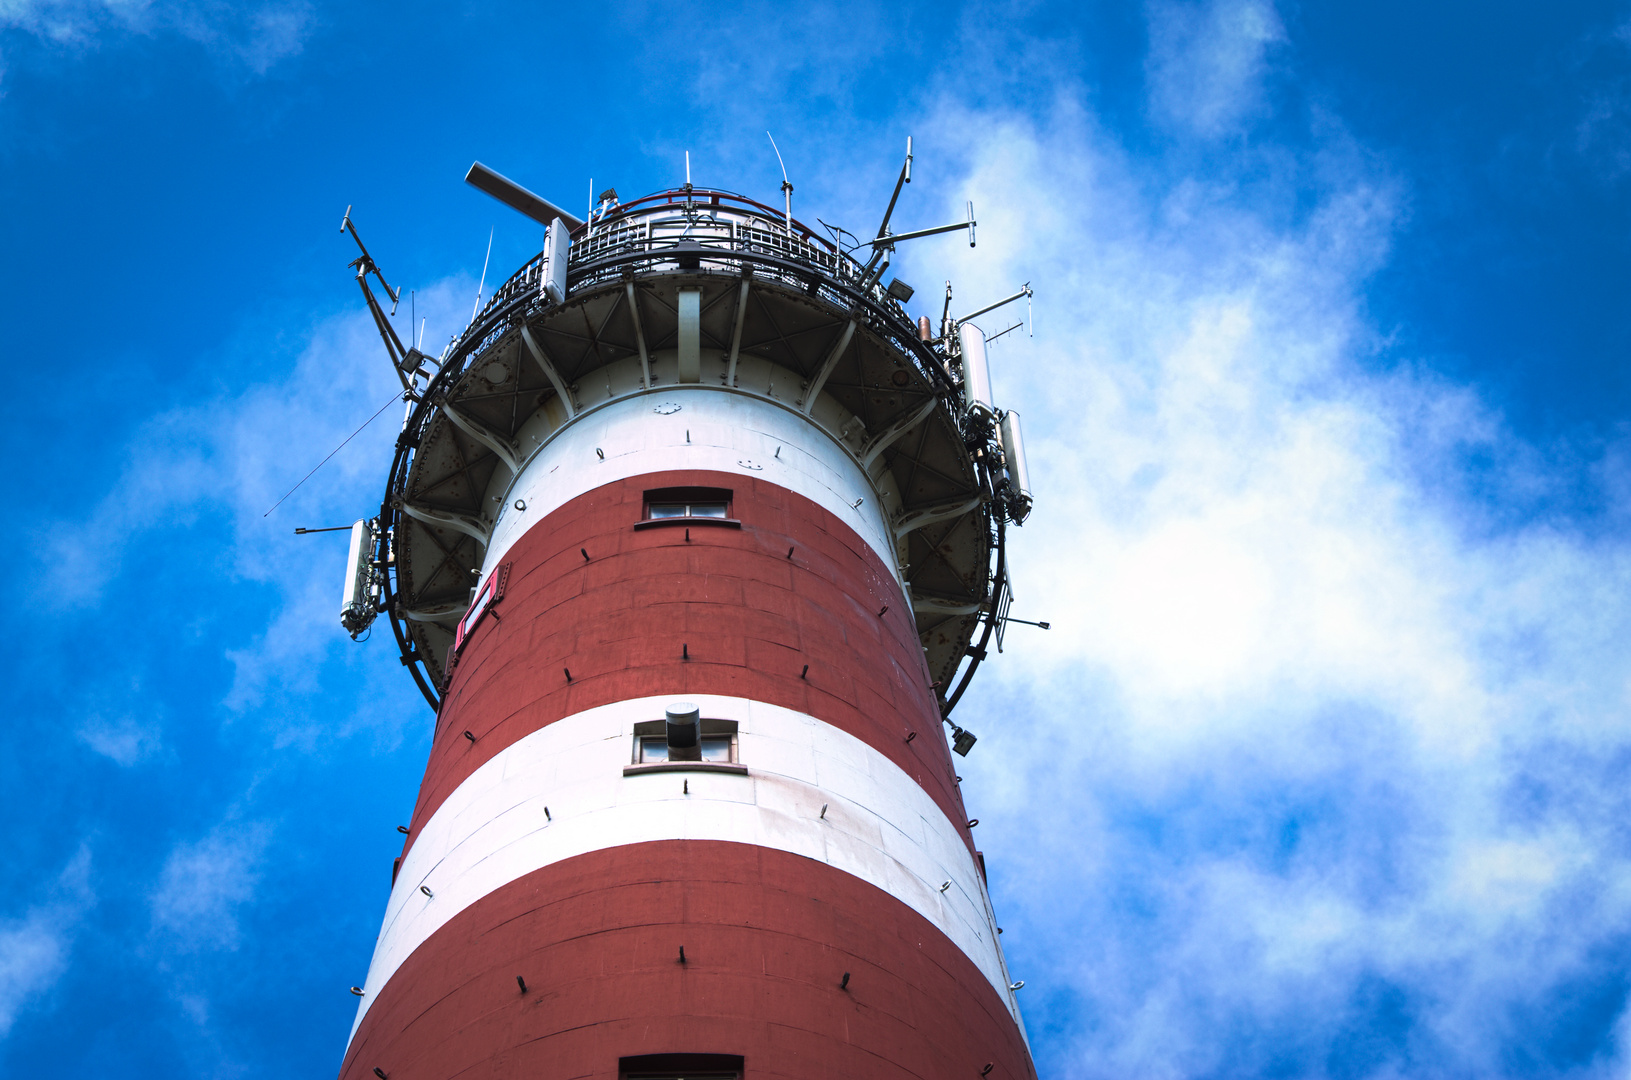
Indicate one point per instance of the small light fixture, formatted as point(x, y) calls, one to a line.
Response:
point(900, 290)
point(962, 741)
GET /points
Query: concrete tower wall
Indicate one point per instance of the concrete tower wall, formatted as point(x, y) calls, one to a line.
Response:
point(541, 847)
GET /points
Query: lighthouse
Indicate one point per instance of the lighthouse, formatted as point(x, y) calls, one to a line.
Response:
point(692, 540)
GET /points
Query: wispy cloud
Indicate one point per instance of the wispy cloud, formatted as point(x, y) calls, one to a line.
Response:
point(203, 884)
point(126, 739)
point(1208, 62)
point(35, 946)
point(253, 36)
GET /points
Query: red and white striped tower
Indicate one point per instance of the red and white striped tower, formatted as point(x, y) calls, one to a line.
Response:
point(687, 538)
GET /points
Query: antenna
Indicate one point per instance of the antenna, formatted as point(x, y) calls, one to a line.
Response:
point(483, 286)
point(886, 240)
point(591, 216)
point(1025, 291)
point(999, 333)
point(366, 265)
point(405, 360)
point(688, 170)
point(905, 178)
point(518, 198)
point(787, 187)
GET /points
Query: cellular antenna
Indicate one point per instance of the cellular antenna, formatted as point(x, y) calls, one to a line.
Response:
point(787, 187)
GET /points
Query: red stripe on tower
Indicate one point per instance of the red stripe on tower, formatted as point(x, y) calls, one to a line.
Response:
point(688, 546)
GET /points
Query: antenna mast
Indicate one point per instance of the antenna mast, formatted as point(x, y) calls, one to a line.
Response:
point(885, 242)
point(407, 361)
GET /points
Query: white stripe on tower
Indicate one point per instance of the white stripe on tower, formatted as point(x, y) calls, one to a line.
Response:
point(712, 428)
point(879, 825)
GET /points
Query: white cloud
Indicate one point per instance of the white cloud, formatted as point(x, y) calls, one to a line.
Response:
point(1312, 730)
point(256, 37)
point(127, 740)
point(34, 948)
point(204, 883)
point(1207, 62)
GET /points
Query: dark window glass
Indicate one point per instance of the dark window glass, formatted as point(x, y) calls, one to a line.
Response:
point(680, 1067)
point(654, 748)
point(697, 509)
point(688, 502)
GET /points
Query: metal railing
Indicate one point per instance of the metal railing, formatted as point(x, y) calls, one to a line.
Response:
point(707, 230)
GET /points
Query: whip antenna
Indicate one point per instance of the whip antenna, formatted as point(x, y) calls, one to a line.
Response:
point(482, 287)
point(787, 187)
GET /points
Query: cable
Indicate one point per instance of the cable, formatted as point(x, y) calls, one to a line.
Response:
point(331, 453)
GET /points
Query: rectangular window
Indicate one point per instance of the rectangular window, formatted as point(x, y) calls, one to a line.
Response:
point(654, 748)
point(687, 505)
point(680, 1067)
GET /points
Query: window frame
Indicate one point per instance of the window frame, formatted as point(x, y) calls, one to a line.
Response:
point(686, 498)
point(679, 1066)
point(711, 729)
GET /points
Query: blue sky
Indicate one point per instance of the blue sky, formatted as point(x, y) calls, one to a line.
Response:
point(1320, 772)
